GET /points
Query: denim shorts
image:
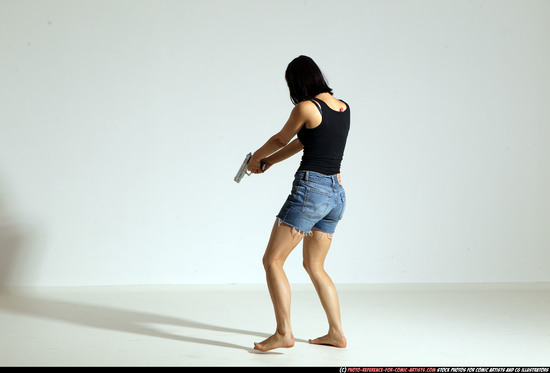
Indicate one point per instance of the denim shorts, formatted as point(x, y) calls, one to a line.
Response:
point(316, 201)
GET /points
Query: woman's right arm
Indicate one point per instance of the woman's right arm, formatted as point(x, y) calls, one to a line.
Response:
point(288, 151)
point(301, 114)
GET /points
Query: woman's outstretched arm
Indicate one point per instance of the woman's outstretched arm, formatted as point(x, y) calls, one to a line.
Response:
point(303, 112)
point(288, 151)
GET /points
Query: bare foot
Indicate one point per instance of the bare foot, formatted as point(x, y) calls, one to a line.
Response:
point(330, 340)
point(275, 341)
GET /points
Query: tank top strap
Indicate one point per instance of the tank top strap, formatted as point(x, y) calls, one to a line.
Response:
point(317, 103)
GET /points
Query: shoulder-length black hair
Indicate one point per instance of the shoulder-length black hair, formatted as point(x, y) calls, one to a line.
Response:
point(305, 80)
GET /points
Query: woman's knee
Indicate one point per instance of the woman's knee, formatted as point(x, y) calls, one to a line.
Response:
point(312, 268)
point(272, 262)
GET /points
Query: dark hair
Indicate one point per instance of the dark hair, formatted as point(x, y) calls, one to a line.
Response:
point(305, 80)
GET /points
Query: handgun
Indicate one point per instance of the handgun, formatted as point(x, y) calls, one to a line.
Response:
point(244, 168)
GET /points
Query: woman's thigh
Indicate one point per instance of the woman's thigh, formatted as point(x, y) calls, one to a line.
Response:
point(282, 241)
point(316, 248)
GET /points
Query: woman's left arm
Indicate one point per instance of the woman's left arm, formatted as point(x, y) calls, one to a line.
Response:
point(298, 117)
point(288, 151)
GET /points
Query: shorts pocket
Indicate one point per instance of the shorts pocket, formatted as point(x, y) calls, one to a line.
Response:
point(316, 203)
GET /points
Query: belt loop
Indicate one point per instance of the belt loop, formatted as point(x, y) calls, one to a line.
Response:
point(306, 175)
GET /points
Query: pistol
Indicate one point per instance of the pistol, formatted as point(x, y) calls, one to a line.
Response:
point(244, 168)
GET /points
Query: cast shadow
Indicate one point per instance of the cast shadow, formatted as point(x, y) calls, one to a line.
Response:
point(115, 319)
point(10, 246)
point(18, 260)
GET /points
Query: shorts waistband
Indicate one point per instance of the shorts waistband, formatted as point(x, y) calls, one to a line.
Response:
point(316, 176)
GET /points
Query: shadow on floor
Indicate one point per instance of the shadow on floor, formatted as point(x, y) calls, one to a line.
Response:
point(19, 260)
point(110, 318)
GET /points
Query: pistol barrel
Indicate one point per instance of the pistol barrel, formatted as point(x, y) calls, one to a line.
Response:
point(243, 168)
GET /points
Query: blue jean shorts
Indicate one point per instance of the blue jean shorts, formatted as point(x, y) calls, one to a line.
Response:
point(316, 201)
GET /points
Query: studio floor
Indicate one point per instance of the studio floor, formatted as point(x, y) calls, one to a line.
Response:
point(216, 325)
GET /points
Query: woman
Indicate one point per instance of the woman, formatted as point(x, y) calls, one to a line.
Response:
point(316, 202)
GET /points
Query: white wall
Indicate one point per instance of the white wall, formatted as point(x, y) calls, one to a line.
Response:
point(123, 123)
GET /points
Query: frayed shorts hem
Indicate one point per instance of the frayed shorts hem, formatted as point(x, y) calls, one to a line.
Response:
point(295, 230)
point(301, 232)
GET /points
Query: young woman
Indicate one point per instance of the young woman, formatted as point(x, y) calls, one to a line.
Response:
point(317, 200)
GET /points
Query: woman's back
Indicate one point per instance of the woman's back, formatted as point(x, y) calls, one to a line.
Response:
point(324, 144)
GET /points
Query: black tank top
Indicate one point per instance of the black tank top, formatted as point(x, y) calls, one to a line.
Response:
point(324, 145)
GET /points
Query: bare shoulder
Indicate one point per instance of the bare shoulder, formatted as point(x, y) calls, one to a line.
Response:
point(306, 106)
point(308, 113)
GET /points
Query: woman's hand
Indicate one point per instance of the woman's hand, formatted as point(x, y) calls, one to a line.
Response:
point(266, 164)
point(255, 165)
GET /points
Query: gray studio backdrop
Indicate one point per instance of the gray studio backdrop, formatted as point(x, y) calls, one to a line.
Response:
point(123, 123)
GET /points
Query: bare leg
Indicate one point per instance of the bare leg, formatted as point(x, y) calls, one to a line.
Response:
point(282, 241)
point(315, 252)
